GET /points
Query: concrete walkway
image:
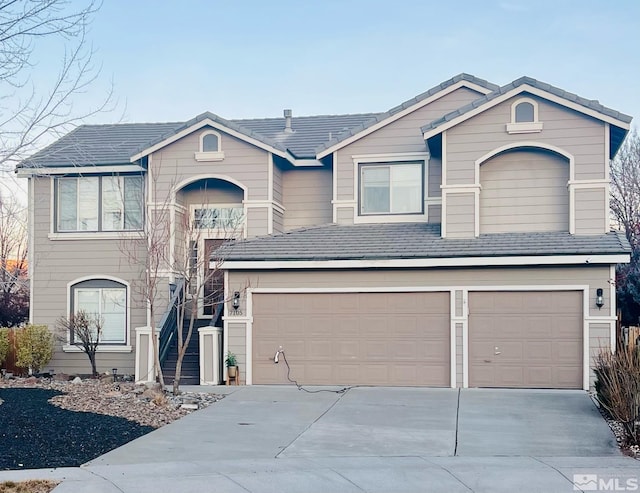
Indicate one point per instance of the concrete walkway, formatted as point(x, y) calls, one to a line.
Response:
point(263, 439)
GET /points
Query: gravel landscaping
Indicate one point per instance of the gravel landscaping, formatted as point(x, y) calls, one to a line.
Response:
point(46, 423)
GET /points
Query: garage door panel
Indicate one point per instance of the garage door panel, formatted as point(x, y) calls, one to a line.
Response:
point(539, 336)
point(365, 338)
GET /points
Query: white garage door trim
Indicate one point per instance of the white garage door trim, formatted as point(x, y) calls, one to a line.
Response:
point(464, 320)
point(367, 289)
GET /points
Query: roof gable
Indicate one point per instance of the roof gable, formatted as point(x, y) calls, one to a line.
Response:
point(570, 100)
point(382, 119)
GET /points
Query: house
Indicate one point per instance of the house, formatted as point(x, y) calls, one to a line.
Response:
point(459, 239)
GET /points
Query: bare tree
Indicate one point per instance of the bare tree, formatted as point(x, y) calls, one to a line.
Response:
point(149, 253)
point(84, 330)
point(30, 115)
point(625, 207)
point(14, 283)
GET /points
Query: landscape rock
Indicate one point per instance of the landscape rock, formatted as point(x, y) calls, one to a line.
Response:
point(61, 377)
point(76, 381)
point(122, 399)
point(153, 386)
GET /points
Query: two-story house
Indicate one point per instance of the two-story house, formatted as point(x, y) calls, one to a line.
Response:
point(461, 238)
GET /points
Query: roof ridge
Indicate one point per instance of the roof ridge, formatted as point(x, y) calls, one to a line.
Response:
point(294, 117)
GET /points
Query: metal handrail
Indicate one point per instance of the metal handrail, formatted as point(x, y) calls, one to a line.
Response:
point(169, 321)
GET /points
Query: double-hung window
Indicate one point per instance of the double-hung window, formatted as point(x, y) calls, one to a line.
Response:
point(99, 203)
point(392, 188)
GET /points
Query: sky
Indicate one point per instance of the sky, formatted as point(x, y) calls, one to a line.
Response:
point(170, 61)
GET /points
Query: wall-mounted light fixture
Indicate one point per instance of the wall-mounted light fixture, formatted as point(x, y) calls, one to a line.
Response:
point(236, 302)
point(599, 298)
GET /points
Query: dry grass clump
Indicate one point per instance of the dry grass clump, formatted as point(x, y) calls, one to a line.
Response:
point(30, 486)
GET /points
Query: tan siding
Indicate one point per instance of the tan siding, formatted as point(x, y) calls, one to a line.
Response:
point(435, 213)
point(591, 211)
point(594, 276)
point(403, 135)
point(579, 135)
point(345, 215)
point(56, 263)
point(599, 339)
point(307, 197)
point(278, 222)
point(460, 218)
point(524, 191)
point(243, 162)
point(277, 183)
point(257, 220)
point(459, 304)
point(435, 177)
point(237, 345)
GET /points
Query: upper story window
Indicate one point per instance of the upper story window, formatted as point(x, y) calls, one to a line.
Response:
point(99, 203)
point(524, 117)
point(222, 217)
point(392, 188)
point(210, 147)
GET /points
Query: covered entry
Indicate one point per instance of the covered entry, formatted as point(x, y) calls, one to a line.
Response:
point(531, 339)
point(353, 338)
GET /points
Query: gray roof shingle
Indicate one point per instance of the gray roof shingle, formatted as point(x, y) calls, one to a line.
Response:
point(587, 103)
point(412, 241)
point(99, 145)
point(410, 102)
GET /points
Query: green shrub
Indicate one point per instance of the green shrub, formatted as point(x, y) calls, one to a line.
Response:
point(34, 347)
point(618, 387)
point(4, 344)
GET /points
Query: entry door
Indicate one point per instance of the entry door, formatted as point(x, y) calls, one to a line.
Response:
point(530, 339)
point(211, 296)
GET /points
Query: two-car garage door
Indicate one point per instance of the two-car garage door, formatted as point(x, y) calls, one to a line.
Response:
point(353, 338)
point(515, 339)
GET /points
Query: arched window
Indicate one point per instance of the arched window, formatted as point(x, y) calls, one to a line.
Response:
point(524, 112)
point(210, 143)
point(106, 300)
point(524, 117)
point(210, 147)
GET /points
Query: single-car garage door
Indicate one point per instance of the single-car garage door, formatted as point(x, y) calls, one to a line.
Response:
point(353, 338)
point(525, 339)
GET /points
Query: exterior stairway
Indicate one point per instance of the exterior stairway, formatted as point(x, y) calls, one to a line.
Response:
point(191, 363)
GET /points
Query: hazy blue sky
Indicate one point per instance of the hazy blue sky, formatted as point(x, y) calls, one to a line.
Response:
point(172, 60)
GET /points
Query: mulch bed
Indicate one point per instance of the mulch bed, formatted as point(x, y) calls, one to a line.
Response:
point(35, 434)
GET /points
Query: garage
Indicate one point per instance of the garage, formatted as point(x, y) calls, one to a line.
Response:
point(395, 339)
point(529, 339)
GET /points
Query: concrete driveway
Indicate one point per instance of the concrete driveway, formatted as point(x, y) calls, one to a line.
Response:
point(368, 439)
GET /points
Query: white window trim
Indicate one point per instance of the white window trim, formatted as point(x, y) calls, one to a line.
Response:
point(384, 159)
point(54, 208)
point(102, 347)
point(203, 155)
point(524, 127)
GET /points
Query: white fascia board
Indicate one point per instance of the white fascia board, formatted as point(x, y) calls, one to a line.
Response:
point(532, 90)
point(304, 162)
point(82, 170)
point(216, 125)
point(427, 262)
point(406, 111)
